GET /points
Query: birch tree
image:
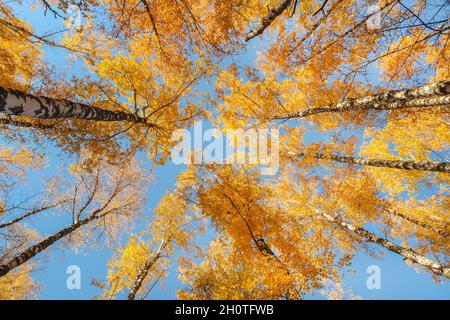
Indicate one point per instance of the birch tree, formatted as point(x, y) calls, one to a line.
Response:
point(144, 261)
point(102, 199)
point(359, 91)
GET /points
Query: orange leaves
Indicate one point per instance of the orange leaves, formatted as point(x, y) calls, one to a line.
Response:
point(125, 266)
point(171, 228)
point(15, 162)
point(19, 285)
point(245, 211)
point(19, 58)
point(401, 61)
point(417, 136)
point(174, 61)
point(438, 56)
point(227, 272)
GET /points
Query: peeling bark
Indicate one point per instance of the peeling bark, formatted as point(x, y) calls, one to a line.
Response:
point(13, 102)
point(143, 273)
point(407, 253)
point(431, 95)
point(29, 253)
point(381, 163)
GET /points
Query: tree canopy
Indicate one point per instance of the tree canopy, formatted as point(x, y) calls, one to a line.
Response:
point(359, 91)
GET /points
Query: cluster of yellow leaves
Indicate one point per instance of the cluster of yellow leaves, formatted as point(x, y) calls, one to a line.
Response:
point(402, 63)
point(432, 212)
point(145, 58)
point(262, 97)
point(438, 55)
point(418, 136)
point(124, 269)
point(228, 272)
point(19, 58)
point(243, 211)
point(19, 285)
point(15, 162)
point(171, 228)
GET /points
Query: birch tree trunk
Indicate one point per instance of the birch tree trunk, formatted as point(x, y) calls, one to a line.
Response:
point(41, 246)
point(418, 258)
point(267, 20)
point(143, 273)
point(395, 164)
point(431, 95)
point(381, 163)
point(13, 102)
point(418, 223)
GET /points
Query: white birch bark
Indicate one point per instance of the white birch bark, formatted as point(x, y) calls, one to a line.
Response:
point(13, 102)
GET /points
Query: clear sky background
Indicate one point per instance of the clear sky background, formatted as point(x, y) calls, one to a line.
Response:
point(398, 280)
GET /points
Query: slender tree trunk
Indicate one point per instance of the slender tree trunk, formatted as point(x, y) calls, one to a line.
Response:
point(41, 246)
point(431, 95)
point(15, 102)
point(418, 223)
point(395, 164)
point(381, 163)
point(267, 20)
point(418, 258)
point(143, 273)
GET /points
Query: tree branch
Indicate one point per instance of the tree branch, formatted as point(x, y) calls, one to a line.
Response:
point(267, 20)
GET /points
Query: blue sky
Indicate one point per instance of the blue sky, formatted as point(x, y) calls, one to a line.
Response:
point(398, 281)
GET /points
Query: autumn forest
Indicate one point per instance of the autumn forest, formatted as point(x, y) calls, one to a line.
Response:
point(345, 101)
